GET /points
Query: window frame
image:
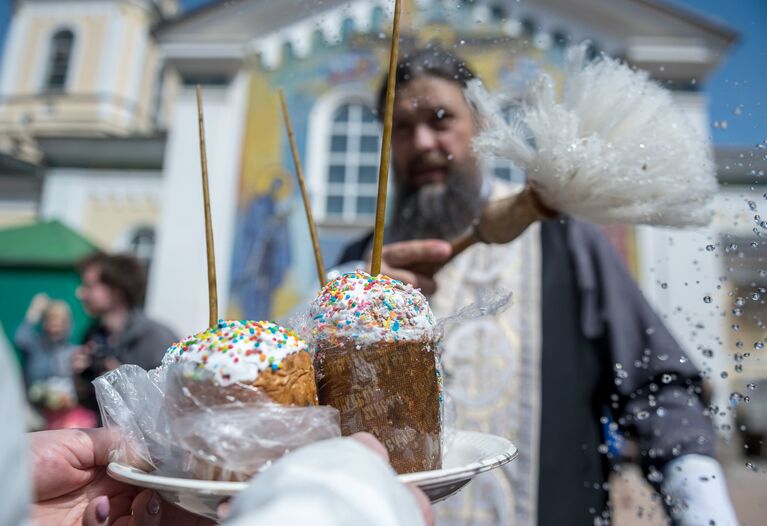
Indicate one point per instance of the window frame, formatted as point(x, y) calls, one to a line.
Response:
point(320, 157)
point(49, 60)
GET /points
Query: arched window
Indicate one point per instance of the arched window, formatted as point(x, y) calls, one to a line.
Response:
point(351, 172)
point(141, 244)
point(507, 170)
point(59, 60)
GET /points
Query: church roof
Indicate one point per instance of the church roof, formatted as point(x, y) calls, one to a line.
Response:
point(645, 32)
point(43, 244)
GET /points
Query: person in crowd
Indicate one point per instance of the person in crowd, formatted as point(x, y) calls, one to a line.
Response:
point(112, 290)
point(44, 339)
point(578, 342)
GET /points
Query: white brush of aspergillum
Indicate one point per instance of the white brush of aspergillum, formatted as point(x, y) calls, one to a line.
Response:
point(615, 147)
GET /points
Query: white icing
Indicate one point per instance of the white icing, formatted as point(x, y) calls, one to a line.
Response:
point(236, 351)
point(369, 309)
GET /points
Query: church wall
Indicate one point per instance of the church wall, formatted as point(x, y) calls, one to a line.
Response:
point(178, 292)
point(106, 77)
point(17, 214)
point(104, 205)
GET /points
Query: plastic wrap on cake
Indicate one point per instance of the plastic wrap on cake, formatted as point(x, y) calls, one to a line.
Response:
point(224, 405)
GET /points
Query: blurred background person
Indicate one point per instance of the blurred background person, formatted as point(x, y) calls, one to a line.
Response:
point(112, 291)
point(44, 338)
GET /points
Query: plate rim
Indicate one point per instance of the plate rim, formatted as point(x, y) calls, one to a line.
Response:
point(130, 475)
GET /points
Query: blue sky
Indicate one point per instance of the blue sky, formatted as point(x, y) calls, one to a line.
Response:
point(737, 90)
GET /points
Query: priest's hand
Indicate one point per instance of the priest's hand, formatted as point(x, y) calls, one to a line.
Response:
point(399, 259)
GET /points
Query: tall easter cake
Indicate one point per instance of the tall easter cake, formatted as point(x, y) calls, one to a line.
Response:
point(375, 362)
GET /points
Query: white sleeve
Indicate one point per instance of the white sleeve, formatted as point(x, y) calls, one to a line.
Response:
point(335, 482)
point(17, 495)
point(696, 492)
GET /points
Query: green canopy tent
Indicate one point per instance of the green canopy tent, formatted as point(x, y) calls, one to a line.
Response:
point(41, 257)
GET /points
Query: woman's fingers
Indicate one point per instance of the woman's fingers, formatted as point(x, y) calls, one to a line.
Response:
point(97, 512)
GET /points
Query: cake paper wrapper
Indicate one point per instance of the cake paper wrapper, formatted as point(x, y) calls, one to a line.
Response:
point(165, 429)
point(390, 389)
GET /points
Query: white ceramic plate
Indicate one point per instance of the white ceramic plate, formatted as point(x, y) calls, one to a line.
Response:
point(470, 454)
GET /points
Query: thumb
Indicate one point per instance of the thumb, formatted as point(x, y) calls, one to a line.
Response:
point(97, 512)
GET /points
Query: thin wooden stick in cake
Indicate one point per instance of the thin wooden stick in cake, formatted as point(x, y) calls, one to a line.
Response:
point(212, 292)
point(383, 170)
point(304, 195)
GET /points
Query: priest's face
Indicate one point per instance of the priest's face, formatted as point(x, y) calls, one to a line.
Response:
point(438, 178)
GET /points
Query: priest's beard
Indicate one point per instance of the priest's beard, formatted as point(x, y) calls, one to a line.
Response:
point(436, 211)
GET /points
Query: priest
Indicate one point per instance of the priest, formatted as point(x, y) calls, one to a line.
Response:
point(578, 349)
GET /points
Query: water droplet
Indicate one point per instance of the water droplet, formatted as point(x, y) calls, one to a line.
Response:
point(739, 344)
point(440, 113)
point(602, 448)
point(755, 296)
point(667, 379)
point(738, 368)
point(759, 345)
point(724, 374)
point(735, 398)
point(664, 285)
point(710, 248)
point(708, 353)
point(735, 327)
point(752, 386)
point(737, 312)
point(739, 302)
point(751, 466)
point(706, 299)
point(642, 415)
point(751, 205)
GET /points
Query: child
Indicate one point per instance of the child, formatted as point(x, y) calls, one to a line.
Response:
point(47, 350)
point(48, 357)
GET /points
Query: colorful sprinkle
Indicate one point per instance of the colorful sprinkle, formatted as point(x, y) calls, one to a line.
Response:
point(362, 307)
point(236, 351)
